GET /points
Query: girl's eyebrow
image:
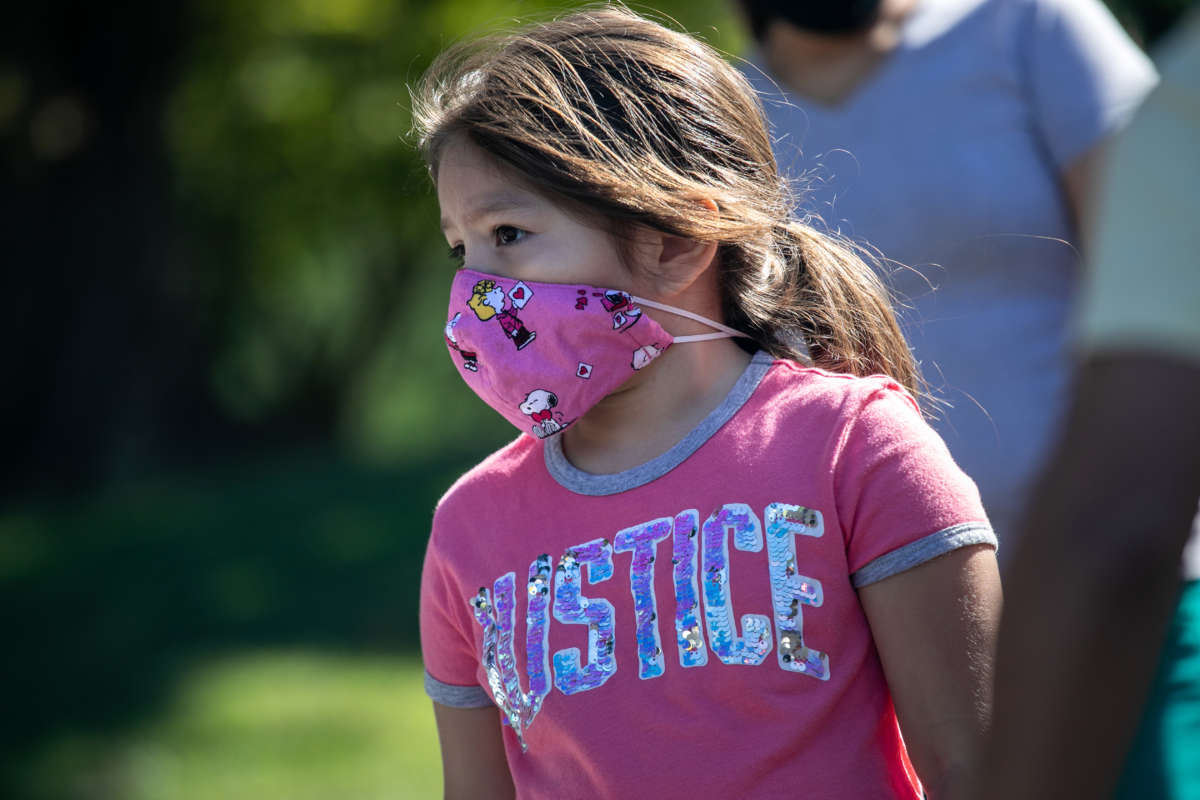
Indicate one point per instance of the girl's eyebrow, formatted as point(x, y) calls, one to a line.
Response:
point(492, 203)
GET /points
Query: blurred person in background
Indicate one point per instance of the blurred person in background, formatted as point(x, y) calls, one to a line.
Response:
point(1090, 592)
point(960, 138)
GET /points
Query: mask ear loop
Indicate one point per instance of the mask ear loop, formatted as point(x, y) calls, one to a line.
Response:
point(725, 331)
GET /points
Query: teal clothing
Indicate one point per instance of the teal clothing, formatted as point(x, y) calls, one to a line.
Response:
point(1165, 759)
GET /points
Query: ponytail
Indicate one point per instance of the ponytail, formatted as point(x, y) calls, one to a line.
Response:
point(806, 290)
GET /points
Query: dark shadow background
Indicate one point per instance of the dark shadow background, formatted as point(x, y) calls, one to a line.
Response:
point(227, 412)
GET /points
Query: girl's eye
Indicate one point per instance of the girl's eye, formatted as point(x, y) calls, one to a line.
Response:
point(458, 254)
point(507, 234)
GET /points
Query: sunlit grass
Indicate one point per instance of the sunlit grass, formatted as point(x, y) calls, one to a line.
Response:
point(293, 725)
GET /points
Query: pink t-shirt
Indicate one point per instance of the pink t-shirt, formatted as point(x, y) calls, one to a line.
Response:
point(691, 625)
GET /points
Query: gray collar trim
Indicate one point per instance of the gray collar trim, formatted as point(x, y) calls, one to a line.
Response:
point(588, 483)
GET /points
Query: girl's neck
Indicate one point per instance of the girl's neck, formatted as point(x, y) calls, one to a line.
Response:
point(657, 408)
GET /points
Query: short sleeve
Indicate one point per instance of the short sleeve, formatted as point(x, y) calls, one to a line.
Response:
point(900, 497)
point(447, 647)
point(1085, 75)
point(1143, 290)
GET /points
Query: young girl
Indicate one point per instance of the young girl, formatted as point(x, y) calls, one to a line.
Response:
point(709, 565)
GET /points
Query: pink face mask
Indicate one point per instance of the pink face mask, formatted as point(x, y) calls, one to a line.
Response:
point(542, 354)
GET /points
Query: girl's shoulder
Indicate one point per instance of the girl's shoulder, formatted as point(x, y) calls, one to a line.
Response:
point(789, 385)
point(494, 474)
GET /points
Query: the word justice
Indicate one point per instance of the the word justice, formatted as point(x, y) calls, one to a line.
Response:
point(495, 611)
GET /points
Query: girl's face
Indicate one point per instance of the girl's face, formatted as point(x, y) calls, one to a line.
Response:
point(495, 225)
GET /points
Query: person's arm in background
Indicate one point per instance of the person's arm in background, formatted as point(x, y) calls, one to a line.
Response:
point(1084, 78)
point(1081, 181)
point(1091, 590)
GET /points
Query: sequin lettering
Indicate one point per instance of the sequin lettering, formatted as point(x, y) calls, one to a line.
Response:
point(752, 646)
point(499, 662)
point(688, 633)
point(537, 633)
point(571, 607)
point(790, 590)
point(700, 571)
point(642, 541)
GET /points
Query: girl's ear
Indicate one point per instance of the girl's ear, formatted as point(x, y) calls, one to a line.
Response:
point(681, 261)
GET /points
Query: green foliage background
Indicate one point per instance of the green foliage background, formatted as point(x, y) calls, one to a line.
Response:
point(325, 272)
point(244, 624)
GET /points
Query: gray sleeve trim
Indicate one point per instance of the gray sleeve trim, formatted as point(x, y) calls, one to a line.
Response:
point(924, 549)
point(456, 696)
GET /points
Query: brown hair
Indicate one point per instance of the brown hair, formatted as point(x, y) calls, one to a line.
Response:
point(622, 117)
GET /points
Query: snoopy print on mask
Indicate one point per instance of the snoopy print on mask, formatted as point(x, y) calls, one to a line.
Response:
point(585, 350)
point(538, 404)
point(470, 360)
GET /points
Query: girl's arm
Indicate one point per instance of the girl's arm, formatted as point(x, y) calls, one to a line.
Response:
point(935, 629)
point(473, 762)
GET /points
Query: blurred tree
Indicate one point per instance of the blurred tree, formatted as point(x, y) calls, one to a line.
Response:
point(333, 287)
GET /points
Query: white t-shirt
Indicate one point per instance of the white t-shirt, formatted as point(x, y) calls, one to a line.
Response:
point(948, 160)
